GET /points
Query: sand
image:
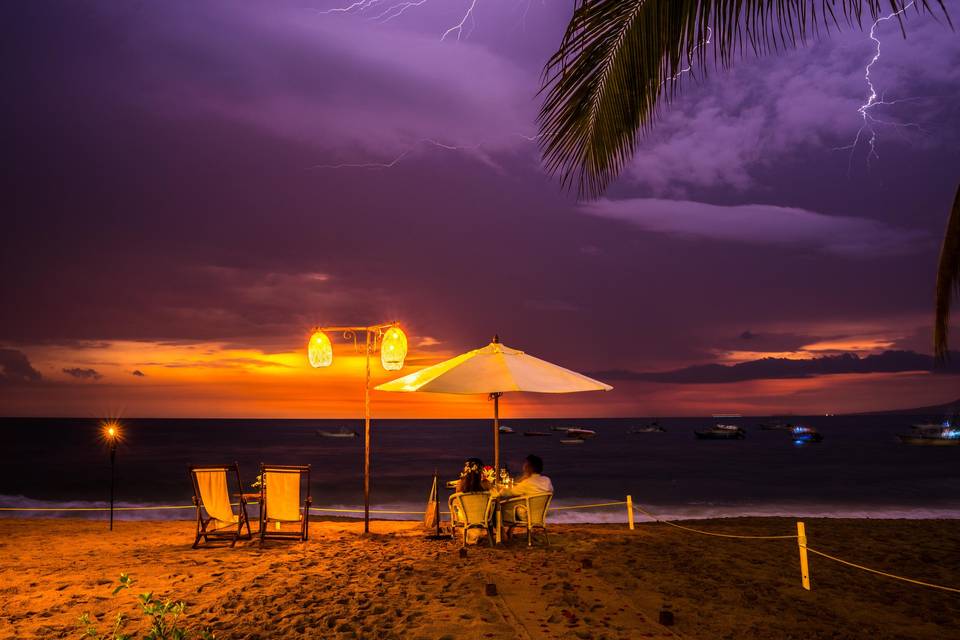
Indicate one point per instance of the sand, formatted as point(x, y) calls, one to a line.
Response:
point(595, 581)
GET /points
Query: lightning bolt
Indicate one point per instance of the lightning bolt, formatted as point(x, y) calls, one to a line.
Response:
point(389, 164)
point(423, 142)
point(868, 130)
point(458, 28)
point(359, 6)
point(687, 69)
point(390, 11)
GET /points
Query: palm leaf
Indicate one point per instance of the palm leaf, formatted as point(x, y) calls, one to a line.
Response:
point(621, 60)
point(948, 279)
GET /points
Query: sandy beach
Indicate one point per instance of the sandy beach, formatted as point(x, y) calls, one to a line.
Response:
point(594, 581)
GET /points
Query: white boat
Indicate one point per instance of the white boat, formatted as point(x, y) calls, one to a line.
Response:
point(653, 427)
point(572, 441)
point(505, 429)
point(582, 434)
point(721, 432)
point(342, 432)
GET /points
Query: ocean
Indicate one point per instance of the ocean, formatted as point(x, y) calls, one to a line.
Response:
point(859, 470)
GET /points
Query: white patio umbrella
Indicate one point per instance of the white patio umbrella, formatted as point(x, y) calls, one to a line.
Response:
point(494, 370)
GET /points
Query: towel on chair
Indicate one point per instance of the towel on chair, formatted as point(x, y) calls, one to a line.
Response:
point(214, 495)
point(283, 495)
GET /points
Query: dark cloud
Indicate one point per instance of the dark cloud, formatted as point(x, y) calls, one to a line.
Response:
point(15, 368)
point(138, 373)
point(764, 224)
point(83, 374)
point(787, 368)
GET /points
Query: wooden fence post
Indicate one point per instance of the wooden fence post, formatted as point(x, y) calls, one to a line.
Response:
point(804, 566)
point(630, 511)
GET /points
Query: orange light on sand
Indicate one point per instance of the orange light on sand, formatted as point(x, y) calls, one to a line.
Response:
point(393, 349)
point(319, 350)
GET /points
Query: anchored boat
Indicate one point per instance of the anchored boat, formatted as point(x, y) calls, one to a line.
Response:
point(776, 426)
point(653, 427)
point(721, 432)
point(805, 435)
point(944, 434)
point(342, 432)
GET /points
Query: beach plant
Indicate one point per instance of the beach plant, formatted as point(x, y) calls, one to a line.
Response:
point(163, 617)
point(621, 62)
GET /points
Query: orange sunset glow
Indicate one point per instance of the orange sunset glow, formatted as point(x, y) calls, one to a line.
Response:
point(220, 381)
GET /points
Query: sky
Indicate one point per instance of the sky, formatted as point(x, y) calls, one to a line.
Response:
point(190, 187)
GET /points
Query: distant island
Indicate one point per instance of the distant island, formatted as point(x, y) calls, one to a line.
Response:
point(936, 409)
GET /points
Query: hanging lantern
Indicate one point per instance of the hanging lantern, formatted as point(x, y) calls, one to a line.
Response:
point(393, 349)
point(319, 350)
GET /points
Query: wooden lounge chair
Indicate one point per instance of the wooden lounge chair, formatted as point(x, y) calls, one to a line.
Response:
point(211, 496)
point(471, 511)
point(281, 505)
point(529, 512)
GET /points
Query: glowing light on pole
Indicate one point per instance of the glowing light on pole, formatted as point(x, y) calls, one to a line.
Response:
point(319, 350)
point(111, 433)
point(393, 351)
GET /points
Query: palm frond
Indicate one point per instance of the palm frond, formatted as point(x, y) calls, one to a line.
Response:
point(621, 60)
point(948, 280)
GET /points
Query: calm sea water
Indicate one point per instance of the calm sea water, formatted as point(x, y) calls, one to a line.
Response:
point(860, 469)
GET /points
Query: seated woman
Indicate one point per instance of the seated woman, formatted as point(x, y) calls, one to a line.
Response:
point(471, 481)
point(471, 478)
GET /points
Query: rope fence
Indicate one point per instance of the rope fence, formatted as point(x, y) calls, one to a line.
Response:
point(801, 539)
point(800, 536)
point(709, 533)
point(883, 573)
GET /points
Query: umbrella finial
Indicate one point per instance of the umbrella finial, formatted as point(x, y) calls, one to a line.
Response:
point(496, 338)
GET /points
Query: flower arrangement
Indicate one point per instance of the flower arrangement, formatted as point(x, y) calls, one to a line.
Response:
point(489, 475)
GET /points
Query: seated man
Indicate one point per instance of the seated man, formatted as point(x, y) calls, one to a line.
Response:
point(532, 481)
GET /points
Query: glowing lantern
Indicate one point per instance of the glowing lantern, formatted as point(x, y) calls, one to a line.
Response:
point(319, 350)
point(393, 349)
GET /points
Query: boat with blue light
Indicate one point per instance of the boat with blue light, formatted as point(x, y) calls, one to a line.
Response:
point(805, 435)
point(944, 434)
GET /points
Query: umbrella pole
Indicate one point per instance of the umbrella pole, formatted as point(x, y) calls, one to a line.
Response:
point(366, 445)
point(496, 435)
